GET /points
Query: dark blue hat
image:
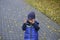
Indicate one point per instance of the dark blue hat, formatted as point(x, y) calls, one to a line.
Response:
point(31, 15)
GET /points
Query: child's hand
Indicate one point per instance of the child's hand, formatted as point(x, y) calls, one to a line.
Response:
point(25, 20)
point(33, 21)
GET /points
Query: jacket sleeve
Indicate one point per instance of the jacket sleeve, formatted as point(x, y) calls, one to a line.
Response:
point(24, 27)
point(36, 26)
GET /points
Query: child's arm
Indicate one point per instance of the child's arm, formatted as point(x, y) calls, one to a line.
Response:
point(36, 26)
point(24, 27)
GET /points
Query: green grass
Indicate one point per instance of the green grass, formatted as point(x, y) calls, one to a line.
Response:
point(50, 8)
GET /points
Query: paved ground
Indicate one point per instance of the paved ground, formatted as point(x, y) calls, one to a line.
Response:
point(12, 14)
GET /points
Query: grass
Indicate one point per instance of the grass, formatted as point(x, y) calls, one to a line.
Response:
point(50, 8)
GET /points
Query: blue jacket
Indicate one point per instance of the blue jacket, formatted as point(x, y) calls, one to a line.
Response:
point(31, 30)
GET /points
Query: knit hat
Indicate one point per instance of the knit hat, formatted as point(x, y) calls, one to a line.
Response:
point(31, 15)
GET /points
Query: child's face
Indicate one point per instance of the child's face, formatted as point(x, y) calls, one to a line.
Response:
point(31, 20)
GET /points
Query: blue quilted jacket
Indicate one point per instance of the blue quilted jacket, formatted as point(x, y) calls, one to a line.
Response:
point(31, 31)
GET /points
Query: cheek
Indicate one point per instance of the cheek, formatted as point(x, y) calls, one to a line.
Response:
point(30, 21)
